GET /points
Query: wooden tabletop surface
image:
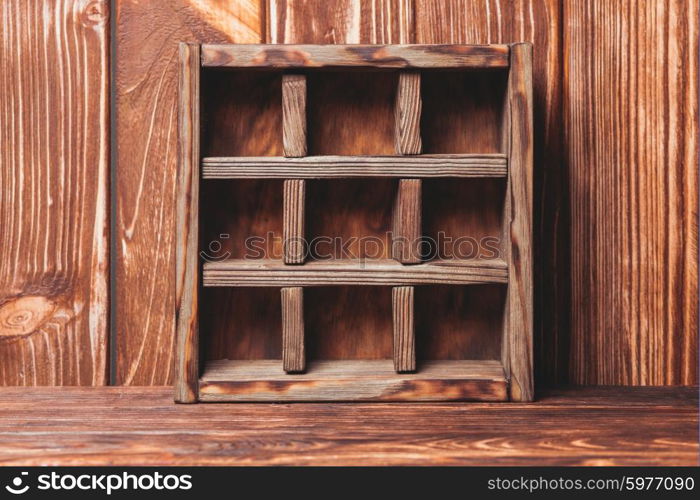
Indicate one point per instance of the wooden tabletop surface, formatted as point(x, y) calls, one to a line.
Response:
point(141, 426)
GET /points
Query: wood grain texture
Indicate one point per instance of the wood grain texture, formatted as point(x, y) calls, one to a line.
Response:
point(241, 323)
point(293, 351)
point(146, 38)
point(187, 267)
point(351, 218)
point(242, 113)
point(356, 380)
point(355, 55)
point(407, 113)
point(321, 167)
point(462, 218)
point(504, 21)
point(348, 322)
point(376, 272)
point(54, 198)
point(461, 111)
point(294, 214)
point(140, 426)
point(294, 115)
point(235, 211)
point(406, 222)
point(341, 21)
point(631, 131)
point(351, 113)
point(518, 226)
point(459, 322)
point(404, 329)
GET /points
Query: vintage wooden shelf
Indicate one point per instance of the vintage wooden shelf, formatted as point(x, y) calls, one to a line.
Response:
point(418, 159)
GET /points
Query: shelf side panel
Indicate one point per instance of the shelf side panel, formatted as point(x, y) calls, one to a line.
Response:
point(518, 350)
point(187, 229)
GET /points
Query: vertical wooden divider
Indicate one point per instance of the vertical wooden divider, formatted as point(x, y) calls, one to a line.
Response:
point(294, 140)
point(294, 114)
point(293, 350)
point(407, 114)
point(295, 145)
point(517, 231)
point(187, 229)
point(406, 224)
point(404, 329)
point(293, 221)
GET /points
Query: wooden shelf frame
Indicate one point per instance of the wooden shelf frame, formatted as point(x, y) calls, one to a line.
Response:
point(293, 378)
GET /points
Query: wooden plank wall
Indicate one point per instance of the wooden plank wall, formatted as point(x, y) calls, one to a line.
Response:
point(54, 198)
point(147, 34)
point(615, 90)
point(631, 111)
point(615, 294)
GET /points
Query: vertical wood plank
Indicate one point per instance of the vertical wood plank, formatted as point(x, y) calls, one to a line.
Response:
point(408, 108)
point(518, 219)
point(293, 349)
point(293, 220)
point(406, 224)
point(187, 228)
point(54, 198)
point(147, 37)
point(631, 113)
point(340, 21)
point(294, 115)
point(404, 329)
point(505, 21)
point(406, 228)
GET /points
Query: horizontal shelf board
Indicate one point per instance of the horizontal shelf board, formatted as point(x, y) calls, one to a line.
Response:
point(385, 272)
point(319, 167)
point(374, 56)
point(353, 380)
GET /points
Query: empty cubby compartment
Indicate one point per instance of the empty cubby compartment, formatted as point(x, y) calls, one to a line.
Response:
point(459, 322)
point(241, 218)
point(241, 323)
point(462, 111)
point(349, 218)
point(463, 218)
point(351, 112)
point(241, 113)
point(348, 323)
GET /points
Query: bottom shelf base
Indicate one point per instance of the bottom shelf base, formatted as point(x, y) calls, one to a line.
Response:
point(356, 380)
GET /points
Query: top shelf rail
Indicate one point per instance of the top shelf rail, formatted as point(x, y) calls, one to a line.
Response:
point(368, 56)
